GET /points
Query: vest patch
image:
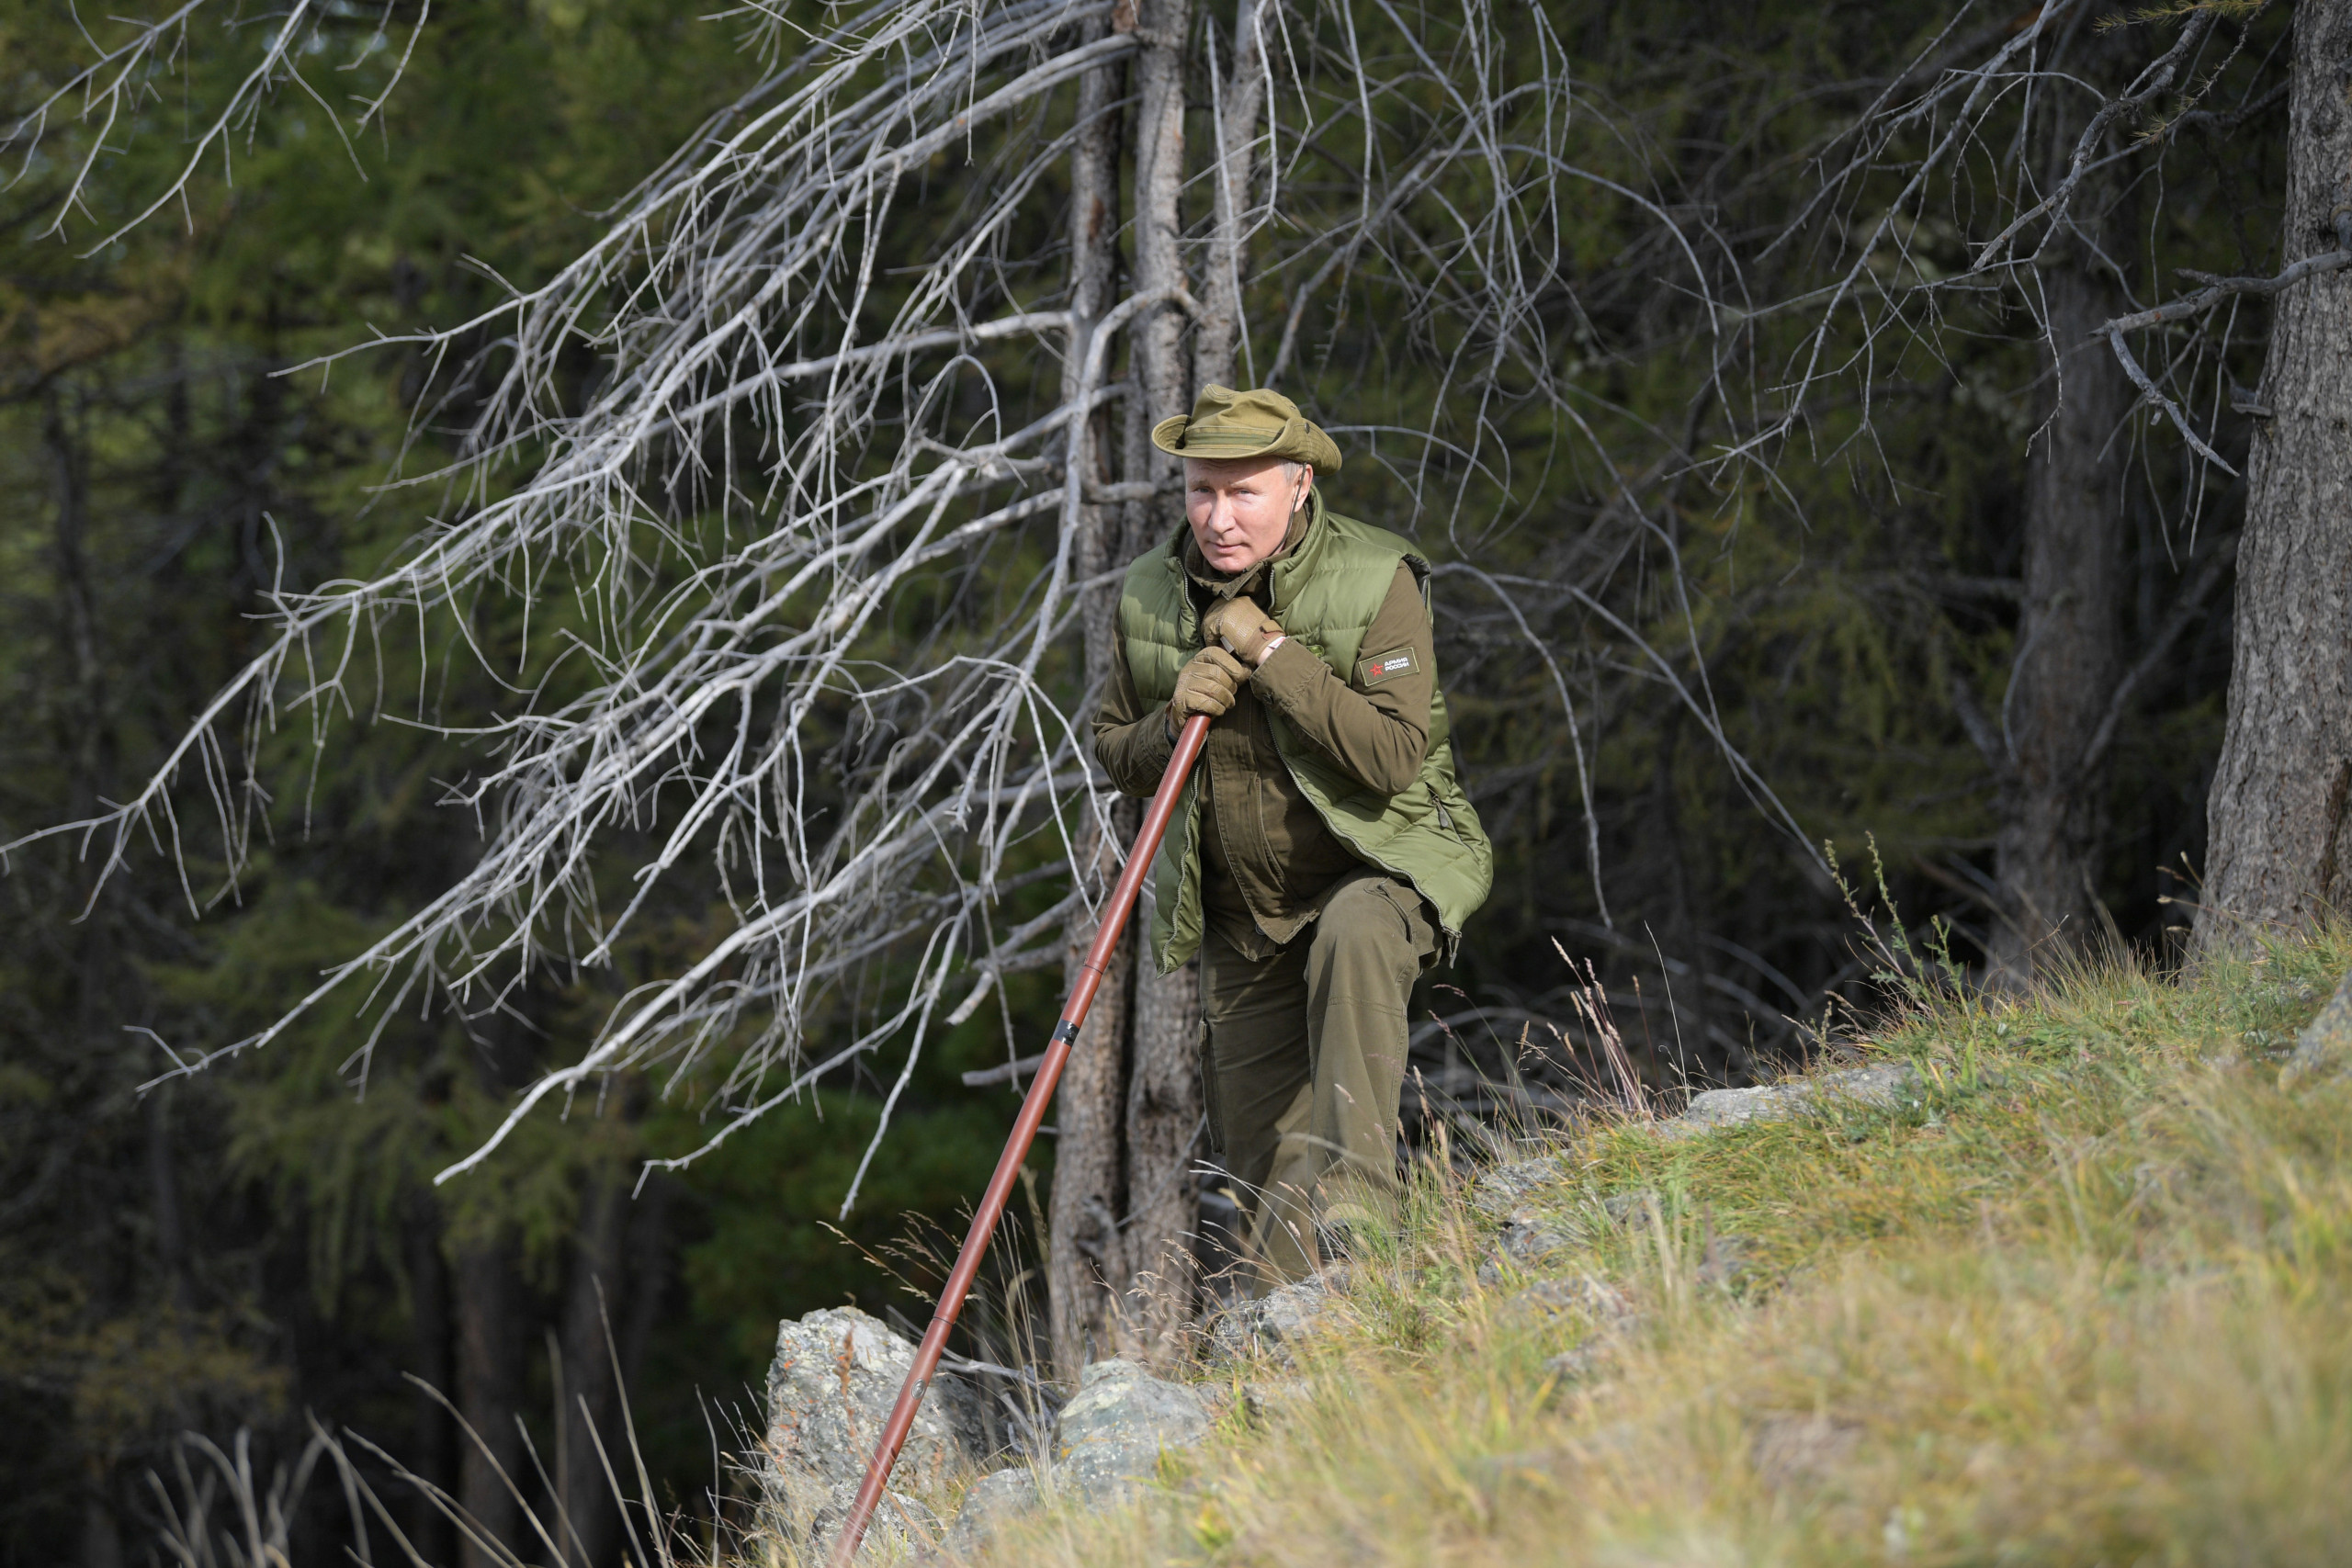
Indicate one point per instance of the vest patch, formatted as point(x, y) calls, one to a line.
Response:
point(1373, 672)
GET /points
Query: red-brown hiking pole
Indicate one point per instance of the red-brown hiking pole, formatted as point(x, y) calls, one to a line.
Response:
point(1025, 1132)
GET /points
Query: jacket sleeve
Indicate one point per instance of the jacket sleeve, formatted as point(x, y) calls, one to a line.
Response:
point(1374, 722)
point(1131, 740)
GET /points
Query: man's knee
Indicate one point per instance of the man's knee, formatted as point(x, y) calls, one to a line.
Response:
point(1372, 933)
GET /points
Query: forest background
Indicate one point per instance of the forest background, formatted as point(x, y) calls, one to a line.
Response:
point(235, 1249)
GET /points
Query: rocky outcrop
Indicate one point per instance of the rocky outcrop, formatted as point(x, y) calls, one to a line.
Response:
point(1107, 1445)
point(1525, 1238)
point(1115, 1429)
point(1594, 1301)
point(902, 1526)
point(1509, 1187)
point(835, 1376)
point(829, 1390)
point(1874, 1086)
point(1276, 1322)
point(991, 1502)
point(2325, 1047)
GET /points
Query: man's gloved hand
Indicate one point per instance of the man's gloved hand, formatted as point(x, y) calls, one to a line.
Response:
point(1239, 624)
point(1207, 684)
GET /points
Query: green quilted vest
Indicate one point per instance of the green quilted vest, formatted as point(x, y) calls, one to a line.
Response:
point(1325, 594)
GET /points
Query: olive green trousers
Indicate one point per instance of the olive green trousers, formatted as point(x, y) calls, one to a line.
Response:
point(1302, 1063)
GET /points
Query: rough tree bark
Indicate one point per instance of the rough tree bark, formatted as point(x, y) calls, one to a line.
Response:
point(2279, 851)
point(2069, 648)
point(1157, 1205)
point(1083, 1243)
point(1239, 97)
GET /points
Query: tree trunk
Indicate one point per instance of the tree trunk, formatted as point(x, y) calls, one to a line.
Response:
point(1083, 1241)
point(171, 1228)
point(1086, 1258)
point(430, 1456)
point(2278, 853)
point(1158, 164)
point(1239, 97)
point(1163, 1102)
point(1120, 1256)
point(592, 1302)
point(1163, 1133)
point(2069, 650)
point(652, 1269)
point(490, 1361)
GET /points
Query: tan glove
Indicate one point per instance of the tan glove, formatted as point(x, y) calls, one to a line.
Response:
point(1205, 684)
point(1242, 626)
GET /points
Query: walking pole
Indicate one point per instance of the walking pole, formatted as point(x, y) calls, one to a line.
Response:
point(1025, 1132)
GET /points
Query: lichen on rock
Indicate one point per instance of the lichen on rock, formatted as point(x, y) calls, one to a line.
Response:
point(835, 1376)
point(1115, 1429)
point(1276, 1322)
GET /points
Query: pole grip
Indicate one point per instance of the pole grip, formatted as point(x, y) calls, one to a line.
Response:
point(1189, 742)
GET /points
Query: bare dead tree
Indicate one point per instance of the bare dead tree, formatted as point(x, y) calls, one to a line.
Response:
point(803, 423)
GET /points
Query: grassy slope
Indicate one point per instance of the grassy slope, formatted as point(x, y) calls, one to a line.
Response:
point(2084, 1302)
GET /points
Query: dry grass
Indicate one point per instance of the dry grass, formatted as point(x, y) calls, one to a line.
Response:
point(2083, 1303)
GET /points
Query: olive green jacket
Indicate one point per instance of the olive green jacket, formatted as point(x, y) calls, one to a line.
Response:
point(1326, 592)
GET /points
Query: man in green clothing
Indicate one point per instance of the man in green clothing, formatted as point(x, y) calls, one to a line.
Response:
point(1324, 853)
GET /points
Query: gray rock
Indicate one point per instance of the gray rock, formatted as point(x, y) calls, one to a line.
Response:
point(1580, 1363)
point(836, 1374)
point(1278, 1321)
point(1529, 1235)
point(993, 1502)
point(1267, 1398)
point(1526, 1237)
point(1508, 1188)
point(1636, 1209)
point(1604, 1308)
point(1875, 1086)
point(2325, 1042)
point(1115, 1429)
point(1608, 1310)
point(902, 1526)
point(1594, 1301)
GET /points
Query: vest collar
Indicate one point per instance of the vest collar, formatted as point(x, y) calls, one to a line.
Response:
point(1295, 564)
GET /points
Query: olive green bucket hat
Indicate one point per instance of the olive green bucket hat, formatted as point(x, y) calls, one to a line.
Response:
point(1226, 425)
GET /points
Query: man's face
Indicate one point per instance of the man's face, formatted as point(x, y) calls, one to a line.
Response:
point(1239, 511)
